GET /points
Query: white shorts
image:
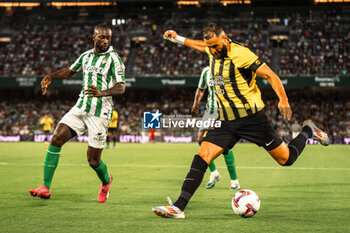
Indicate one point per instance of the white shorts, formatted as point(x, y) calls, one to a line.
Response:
point(82, 122)
point(207, 116)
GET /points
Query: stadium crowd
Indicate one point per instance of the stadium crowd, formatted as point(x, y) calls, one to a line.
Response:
point(322, 46)
point(331, 112)
point(40, 49)
point(318, 45)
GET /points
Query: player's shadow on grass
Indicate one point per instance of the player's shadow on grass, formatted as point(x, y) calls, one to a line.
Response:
point(36, 203)
point(63, 197)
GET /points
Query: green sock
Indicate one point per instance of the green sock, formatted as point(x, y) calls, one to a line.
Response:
point(231, 166)
point(212, 166)
point(102, 173)
point(50, 164)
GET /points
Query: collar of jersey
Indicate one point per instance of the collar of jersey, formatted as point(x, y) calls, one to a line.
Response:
point(110, 49)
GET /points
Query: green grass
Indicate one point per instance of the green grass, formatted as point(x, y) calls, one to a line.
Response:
point(311, 196)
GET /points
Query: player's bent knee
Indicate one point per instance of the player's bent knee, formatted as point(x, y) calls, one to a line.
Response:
point(282, 161)
point(280, 154)
point(209, 151)
point(56, 141)
point(94, 163)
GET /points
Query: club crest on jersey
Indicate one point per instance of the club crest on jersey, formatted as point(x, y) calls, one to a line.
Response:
point(227, 66)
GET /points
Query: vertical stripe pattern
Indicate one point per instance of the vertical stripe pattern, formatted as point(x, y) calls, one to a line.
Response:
point(236, 90)
point(102, 70)
point(225, 95)
point(235, 87)
point(99, 86)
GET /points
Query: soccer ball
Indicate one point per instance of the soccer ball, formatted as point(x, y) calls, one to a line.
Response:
point(245, 203)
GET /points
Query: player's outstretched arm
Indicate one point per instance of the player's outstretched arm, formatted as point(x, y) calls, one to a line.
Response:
point(172, 36)
point(197, 99)
point(93, 91)
point(60, 74)
point(266, 73)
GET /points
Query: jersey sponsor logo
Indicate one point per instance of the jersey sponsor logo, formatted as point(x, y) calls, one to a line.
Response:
point(151, 120)
point(220, 81)
point(94, 69)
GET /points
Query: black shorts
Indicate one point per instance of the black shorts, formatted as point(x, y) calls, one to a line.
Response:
point(112, 130)
point(255, 128)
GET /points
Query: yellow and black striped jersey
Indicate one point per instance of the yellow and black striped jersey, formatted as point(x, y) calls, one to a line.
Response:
point(47, 123)
point(234, 76)
point(114, 121)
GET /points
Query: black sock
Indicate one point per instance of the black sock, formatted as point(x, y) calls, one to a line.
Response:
point(192, 181)
point(114, 140)
point(107, 140)
point(296, 146)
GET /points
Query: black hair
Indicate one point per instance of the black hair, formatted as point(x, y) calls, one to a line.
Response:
point(212, 29)
point(102, 26)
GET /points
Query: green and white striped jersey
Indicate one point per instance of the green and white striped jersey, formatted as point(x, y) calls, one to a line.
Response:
point(103, 70)
point(206, 81)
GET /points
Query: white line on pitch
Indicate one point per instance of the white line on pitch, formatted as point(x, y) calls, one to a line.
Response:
point(179, 166)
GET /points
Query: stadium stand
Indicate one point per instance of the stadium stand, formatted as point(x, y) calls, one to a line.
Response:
point(45, 40)
point(43, 43)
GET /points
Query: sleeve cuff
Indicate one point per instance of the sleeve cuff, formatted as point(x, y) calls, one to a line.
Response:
point(253, 67)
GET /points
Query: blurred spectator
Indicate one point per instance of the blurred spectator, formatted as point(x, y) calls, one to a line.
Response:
point(295, 128)
point(330, 110)
point(318, 45)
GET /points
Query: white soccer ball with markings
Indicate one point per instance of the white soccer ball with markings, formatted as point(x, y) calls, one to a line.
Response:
point(246, 203)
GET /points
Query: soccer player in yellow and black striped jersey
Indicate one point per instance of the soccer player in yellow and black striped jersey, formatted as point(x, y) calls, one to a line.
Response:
point(112, 129)
point(48, 125)
point(241, 109)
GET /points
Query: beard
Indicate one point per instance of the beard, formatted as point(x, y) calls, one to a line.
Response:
point(101, 49)
point(222, 54)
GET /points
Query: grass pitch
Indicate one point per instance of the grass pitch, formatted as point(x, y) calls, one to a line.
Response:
point(311, 196)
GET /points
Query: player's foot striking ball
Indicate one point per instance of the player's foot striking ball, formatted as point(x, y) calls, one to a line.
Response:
point(93, 111)
point(241, 109)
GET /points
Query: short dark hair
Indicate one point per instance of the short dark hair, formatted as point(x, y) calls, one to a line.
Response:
point(212, 29)
point(102, 26)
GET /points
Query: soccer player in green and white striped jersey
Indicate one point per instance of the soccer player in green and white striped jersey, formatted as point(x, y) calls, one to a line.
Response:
point(103, 76)
point(206, 82)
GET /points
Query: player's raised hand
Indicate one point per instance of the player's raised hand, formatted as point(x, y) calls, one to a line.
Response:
point(194, 109)
point(169, 35)
point(45, 84)
point(285, 109)
point(93, 91)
